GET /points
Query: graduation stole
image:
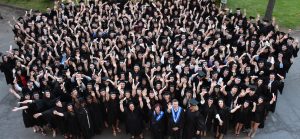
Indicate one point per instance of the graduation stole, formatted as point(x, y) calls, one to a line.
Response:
point(159, 116)
point(176, 115)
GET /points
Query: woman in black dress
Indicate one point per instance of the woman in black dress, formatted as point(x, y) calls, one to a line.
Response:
point(209, 112)
point(133, 119)
point(6, 67)
point(259, 111)
point(27, 112)
point(222, 117)
point(112, 111)
point(55, 117)
point(94, 107)
point(73, 131)
point(243, 117)
point(84, 119)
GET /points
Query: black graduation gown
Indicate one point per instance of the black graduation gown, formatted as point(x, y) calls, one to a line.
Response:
point(27, 115)
point(224, 115)
point(194, 122)
point(275, 85)
point(96, 115)
point(157, 126)
point(6, 68)
point(260, 113)
point(243, 116)
point(59, 121)
point(55, 121)
point(85, 122)
point(134, 121)
point(72, 124)
point(171, 124)
point(209, 114)
point(112, 107)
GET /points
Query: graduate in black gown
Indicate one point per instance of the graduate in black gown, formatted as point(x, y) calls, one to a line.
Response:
point(6, 67)
point(222, 116)
point(84, 119)
point(157, 121)
point(175, 122)
point(55, 117)
point(133, 119)
point(72, 125)
point(243, 114)
point(208, 110)
point(113, 111)
point(194, 121)
point(94, 107)
point(27, 112)
point(259, 111)
point(273, 88)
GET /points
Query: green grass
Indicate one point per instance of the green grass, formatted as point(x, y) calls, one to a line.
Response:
point(286, 12)
point(30, 4)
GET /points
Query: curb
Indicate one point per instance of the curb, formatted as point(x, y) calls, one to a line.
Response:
point(13, 7)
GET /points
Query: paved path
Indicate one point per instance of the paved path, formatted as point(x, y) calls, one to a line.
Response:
point(283, 124)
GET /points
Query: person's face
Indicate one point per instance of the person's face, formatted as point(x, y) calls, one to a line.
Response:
point(260, 100)
point(221, 103)
point(217, 89)
point(70, 108)
point(58, 104)
point(89, 100)
point(92, 66)
point(74, 93)
point(284, 48)
point(47, 94)
point(136, 68)
point(157, 109)
point(113, 96)
point(248, 69)
point(27, 97)
point(237, 80)
point(260, 82)
point(210, 102)
point(102, 93)
point(246, 104)
point(127, 94)
point(272, 77)
point(175, 105)
point(36, 96)
point(131, 107)
point(225, 72)
point(89, 87)
point(260, 64)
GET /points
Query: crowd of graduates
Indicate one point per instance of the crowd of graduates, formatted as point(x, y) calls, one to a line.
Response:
point(181, 69)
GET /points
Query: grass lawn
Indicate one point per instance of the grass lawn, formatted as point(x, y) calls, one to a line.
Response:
point(286, 12)
point(30, 4)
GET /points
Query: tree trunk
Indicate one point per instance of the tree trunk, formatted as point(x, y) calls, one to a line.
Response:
point(269, 10)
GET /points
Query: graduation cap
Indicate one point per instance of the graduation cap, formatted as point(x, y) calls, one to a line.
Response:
point(251, 17)
point(201, 73)
point(193, 102)
point(104, 78)
point(265, 20)
point(113, 92)
point(57, 99)
point(238, 9)
point(252, 89)
point(215, 72)
point(81, 100)
point(262, 97)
